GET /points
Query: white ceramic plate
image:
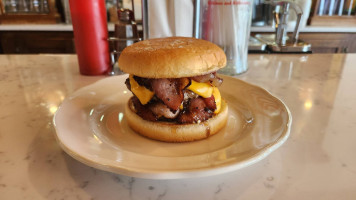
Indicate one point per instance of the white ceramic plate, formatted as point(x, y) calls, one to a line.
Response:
point(91, 127)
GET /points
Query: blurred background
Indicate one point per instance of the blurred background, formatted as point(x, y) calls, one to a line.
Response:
point(44, 26)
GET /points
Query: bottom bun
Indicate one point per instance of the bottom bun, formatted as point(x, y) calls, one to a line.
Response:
point(171, 132)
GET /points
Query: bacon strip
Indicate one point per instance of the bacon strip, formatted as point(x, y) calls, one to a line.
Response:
point(127, 83)
point(161, 110)
point(142, 111)
point(169, 91)
point(197, 111)
point(210, 102)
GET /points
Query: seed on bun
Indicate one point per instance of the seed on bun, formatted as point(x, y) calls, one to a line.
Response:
point(175, 88)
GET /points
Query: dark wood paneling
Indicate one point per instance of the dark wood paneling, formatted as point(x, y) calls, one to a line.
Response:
point(328, 42)
point(31, 42)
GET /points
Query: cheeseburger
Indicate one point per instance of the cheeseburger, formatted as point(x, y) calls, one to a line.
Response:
point(175, 88)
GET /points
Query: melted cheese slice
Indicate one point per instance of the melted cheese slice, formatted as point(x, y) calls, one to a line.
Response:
point(206, 90)
point(202, 89)
point(217, 98)
point(143, 94)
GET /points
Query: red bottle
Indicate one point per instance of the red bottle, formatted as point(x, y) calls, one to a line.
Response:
point(90, 36)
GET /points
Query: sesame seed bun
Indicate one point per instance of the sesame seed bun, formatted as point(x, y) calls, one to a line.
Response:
point(172, 57)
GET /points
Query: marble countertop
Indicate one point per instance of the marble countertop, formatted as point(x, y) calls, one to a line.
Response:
point(317, 162)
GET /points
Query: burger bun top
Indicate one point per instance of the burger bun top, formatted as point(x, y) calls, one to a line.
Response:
point(172, 57)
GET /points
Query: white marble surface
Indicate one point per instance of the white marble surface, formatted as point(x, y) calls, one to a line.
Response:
point(317, 162)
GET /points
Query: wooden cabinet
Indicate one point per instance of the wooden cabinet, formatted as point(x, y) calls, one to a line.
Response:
point(327, 42)
point(24, 42)
point(331, 42)
point(31, 42)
